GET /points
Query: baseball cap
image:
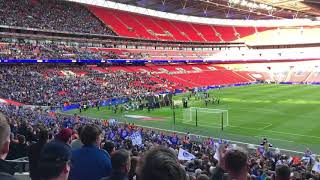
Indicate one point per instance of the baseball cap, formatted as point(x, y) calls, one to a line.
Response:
point(55, 152)
point(64, 135)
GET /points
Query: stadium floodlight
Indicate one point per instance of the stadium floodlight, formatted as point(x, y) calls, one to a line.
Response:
point(218, 118)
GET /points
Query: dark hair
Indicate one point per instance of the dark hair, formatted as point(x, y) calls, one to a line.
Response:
point(235, 161)
point(133, 167)
point(53, 158)
point(89, 134)
point(202, 177)
point(21, 139)
point(49, 170)
point(283, 172)
point(108, 146)
point(119, 159)
point(43, 135)
point(161, 164)
point(79, 130)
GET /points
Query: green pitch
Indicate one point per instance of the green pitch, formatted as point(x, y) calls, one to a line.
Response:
point(288, 115)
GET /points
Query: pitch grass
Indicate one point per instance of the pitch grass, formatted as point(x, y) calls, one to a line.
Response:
point(288, 115)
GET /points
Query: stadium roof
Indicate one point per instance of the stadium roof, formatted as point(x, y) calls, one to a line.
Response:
point(234, 9)
point(266, 20)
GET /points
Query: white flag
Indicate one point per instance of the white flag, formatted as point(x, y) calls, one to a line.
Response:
point(216, 155)
point(316, 167)
point(136, 138)
point(185, 155)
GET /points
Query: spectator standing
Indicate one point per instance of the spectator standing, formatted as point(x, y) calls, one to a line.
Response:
point(219, 171)
point(283, 172)
point(120, 161)
point(6, 172)
point(133, 168)
point(109, 147)
point(54, 162)
point(161, 164)
point(90, 162)
point(34, 154)
point(236, 164)
point(77, 143)
point(64, 136)
point(21, 147)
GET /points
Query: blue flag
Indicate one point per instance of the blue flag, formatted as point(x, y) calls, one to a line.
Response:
point(124, 134)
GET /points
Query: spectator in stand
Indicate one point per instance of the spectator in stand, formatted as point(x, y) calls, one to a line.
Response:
point(34, 154)
point(282, 172)
point(202, 177)
point(236, 164)
point(120, 161)
point(90, 162)
point(133, 169)
point(161, 164)
point(6, 172)
point(20, 147)
point(54, 162)
point(109, 147)
point(77, 143)
point(220, 170)
point(64, 136)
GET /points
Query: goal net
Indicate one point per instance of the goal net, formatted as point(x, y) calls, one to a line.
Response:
point(206, 117)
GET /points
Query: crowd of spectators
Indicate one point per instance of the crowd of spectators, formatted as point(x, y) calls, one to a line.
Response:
point(51, 51)
point(51, 15)
point(40, 85)
point(107, 149)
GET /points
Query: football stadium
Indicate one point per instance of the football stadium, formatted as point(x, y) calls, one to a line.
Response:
point(162, 90)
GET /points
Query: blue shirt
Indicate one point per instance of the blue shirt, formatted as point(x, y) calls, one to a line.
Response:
point(90, 163)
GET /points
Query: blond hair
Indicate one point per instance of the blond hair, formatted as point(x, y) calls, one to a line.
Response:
point(4, 130)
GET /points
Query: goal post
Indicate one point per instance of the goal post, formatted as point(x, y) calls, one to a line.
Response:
point(206, 117)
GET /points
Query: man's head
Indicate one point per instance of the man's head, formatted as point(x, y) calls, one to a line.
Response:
point(4, 136)
point(121, 161)
point(54, 161)
point(21, 139)
point(283, 172)
point(64, 135)
point(90, 135)
point(43, 135)
point(109, 147)
point(236, 163)
point(161, 164)
point(79, 129)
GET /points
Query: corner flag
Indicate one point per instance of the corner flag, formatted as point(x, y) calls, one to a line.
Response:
point(185, 155)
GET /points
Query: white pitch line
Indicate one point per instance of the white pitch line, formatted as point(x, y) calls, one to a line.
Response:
point(293, 134)
point(266, 126)
point(277, 132)
point(274, 139)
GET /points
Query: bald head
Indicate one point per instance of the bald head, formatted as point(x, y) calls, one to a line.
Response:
point(4, 136)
